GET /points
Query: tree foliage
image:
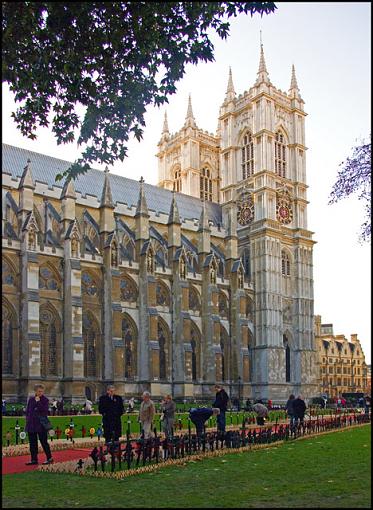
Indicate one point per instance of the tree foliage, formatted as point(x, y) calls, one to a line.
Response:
point(355, 177)
point(112, 58)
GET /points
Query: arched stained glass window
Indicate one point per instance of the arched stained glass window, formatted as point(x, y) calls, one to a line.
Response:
point(224, 352)
point(163, 336)
point(223, 305)
point(48, 337)
point(8, 276)
point(89, 285)
point(162, 295)
point(194, 300)
point(90, 339)
point(195, 342)
point(47, 279)
point(129, 335)
point(128, 289)
point(287, 358)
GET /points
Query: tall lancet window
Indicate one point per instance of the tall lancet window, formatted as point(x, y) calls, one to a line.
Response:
point(205, 185)
point(280, 154)
point(177, 180)
point(247, 156)
point(287, 358)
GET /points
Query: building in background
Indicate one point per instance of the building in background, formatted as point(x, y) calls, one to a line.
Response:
point(369, 379)
point(205, 278)
point(342, 367)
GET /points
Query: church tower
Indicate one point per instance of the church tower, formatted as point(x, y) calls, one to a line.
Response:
point(263, 182)
point(188, 161)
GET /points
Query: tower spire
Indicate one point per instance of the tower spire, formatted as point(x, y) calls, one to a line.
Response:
point(230, 94)
point(262, 72)
point(189, 119)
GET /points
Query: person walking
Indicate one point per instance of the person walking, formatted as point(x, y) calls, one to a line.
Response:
point(147, 412)
point(299, 407)
point(261, 411)
point(221, 402)
point(289, 407)
point(168, 408)
point(37, 406)
point(111, 407)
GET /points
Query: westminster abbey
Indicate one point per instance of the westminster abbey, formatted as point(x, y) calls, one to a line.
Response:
point(205, 278)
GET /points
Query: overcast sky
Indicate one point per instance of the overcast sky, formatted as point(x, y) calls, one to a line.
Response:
point(329, 44)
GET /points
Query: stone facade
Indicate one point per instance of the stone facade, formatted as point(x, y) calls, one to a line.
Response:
point(342, 367)
point(110, 280)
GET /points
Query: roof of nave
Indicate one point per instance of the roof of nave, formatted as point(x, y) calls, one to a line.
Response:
point(126, 191)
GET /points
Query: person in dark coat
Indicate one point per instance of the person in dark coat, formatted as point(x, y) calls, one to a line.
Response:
point(199, 416)
point(111, 407)
point(289, 407)
point(221, 402)
point(299, 407)
point(37, 405)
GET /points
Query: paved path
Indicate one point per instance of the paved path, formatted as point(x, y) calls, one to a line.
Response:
point(12, 465)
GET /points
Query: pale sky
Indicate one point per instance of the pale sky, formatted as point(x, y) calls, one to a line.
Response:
point(329, 44)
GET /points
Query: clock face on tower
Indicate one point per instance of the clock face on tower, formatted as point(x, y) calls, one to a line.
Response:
point(245, 210)
point(284, 212)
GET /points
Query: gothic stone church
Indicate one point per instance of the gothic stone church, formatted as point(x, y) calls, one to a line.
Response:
point(205, 278)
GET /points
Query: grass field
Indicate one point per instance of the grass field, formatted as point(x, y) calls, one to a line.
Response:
point(329, 471)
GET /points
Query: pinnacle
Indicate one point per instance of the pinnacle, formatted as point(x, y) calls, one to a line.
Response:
point(165, 124)
point(106, 197)
point(262, 72)
point(142, 207)
point(189, 119)
point(230, 94)
point(293, 84)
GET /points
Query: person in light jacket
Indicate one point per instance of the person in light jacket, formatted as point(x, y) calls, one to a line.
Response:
point(147, 412)
point(168, 407)
point(37, 405)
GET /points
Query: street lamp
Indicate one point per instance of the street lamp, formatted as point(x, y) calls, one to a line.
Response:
point(239, 393)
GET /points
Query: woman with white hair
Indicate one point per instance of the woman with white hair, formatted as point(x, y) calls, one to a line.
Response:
point(147, 412)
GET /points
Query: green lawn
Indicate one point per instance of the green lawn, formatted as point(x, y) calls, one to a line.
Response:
point(329, 471)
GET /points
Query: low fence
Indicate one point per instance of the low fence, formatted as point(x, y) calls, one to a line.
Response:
point(129, 453)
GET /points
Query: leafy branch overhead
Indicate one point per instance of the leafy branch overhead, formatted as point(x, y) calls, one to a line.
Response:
point(111, 58)
point(355, 177)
